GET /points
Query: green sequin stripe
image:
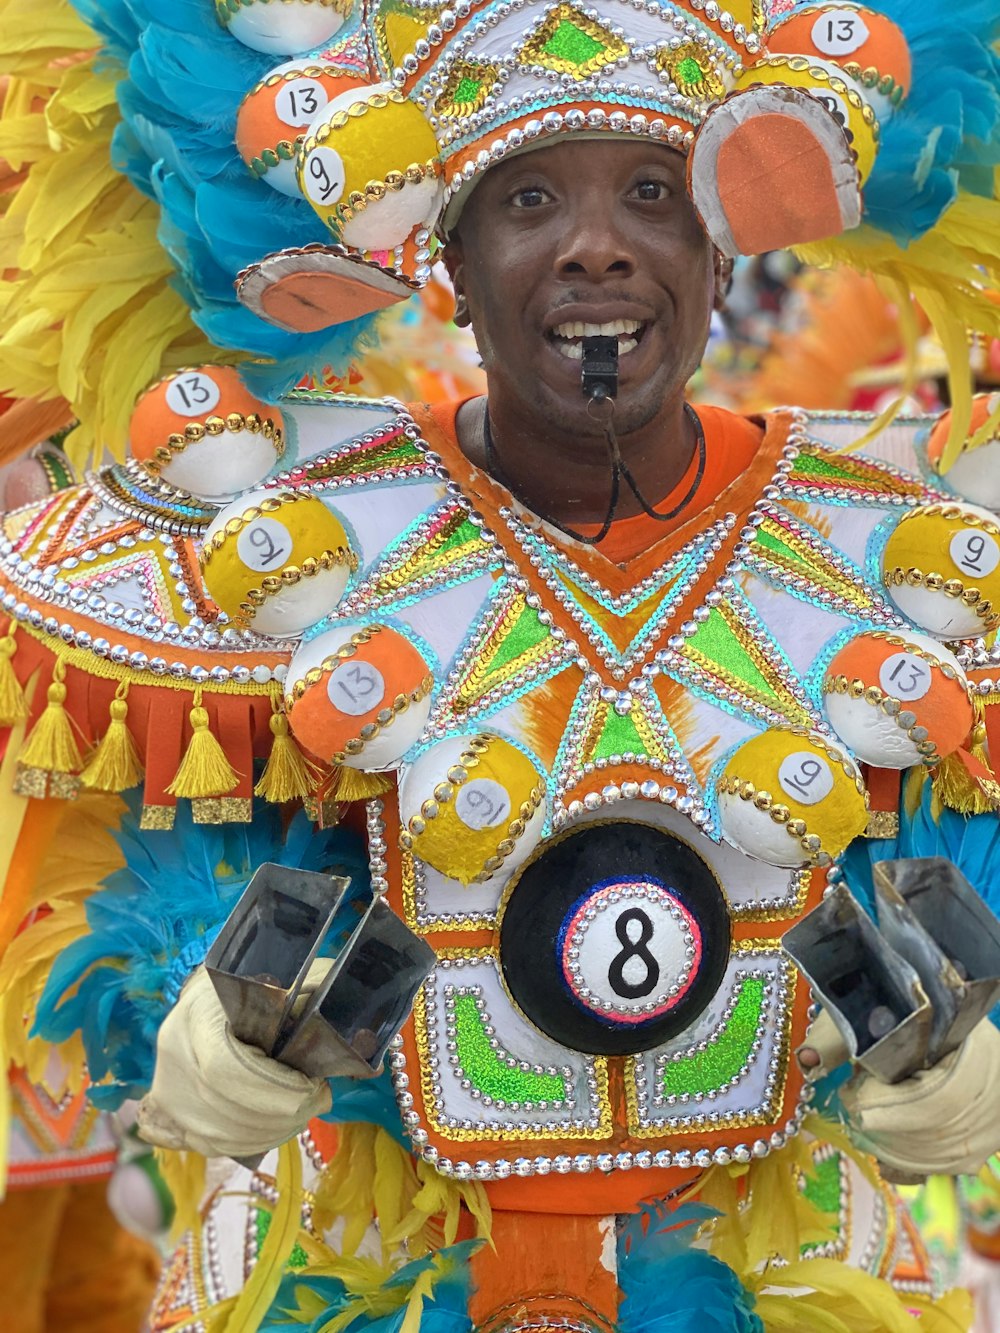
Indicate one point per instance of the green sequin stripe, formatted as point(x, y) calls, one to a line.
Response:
point(822, 1186)
point(488, 1071)
point(360, 462)
point(262, 1220)
point(726, 1054)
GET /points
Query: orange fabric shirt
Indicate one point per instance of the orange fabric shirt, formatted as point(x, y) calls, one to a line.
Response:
point(731, 442)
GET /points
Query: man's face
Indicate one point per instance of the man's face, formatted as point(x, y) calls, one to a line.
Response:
point(579, 238)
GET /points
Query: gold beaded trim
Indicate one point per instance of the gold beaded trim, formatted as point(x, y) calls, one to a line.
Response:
point(310, 72)
point(227, 8)
point(358, 200)
point(916, 578)
point(446, 791)
point(195, 431)
point(801, 64)
point(730, 785)
point(882, 824)
point(292, 574)
point(383, 718)
point(891, 707)
point(235, 525)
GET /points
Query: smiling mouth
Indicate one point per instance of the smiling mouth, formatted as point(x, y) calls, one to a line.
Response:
point(568, 338)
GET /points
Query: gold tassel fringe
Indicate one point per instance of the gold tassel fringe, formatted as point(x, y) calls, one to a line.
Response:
point(287, 775)
point(115, 765)
point(13, 705)
point(204, 770)
point(957, 788)
point(52, 745)
point(353, 785)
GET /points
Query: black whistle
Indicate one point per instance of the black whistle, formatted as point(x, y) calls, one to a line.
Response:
point(600, 368)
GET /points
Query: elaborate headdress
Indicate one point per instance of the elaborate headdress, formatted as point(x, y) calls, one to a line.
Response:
point(867, 134)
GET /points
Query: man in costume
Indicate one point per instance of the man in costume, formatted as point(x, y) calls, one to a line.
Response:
point(603, 670)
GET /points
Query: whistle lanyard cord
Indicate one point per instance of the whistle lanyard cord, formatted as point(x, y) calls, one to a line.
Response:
point(619, 470)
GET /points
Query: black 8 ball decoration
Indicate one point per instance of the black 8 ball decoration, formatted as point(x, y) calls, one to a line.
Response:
point(614, 937)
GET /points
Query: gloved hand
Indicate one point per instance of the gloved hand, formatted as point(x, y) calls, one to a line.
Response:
point(942, 1121)
point(216, 1095)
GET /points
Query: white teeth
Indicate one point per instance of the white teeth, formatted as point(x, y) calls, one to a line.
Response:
point(609, 330)
point(574, 351)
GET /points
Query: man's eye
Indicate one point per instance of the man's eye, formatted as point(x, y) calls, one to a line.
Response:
point(651, 191)
point(530, 197)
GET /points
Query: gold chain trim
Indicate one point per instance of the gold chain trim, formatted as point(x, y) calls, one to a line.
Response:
point(916, 578)
point(195, 431)
point(801, 64)
point(891, 707)
point(445, 793)
point(290, 575)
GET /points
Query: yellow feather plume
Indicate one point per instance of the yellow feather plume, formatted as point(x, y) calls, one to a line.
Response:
point(88, 315)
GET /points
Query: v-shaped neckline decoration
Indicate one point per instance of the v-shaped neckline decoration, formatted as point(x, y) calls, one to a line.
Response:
point(693, 557)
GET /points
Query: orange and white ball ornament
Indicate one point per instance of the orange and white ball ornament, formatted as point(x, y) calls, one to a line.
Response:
point(897, 699)
point(283, 27)
point(203, 431)
point(791, 798)
point(275, 114)
point(471, 806)
point(358, 695)
point(276, 561)
point(941, 567)
point(975, 473)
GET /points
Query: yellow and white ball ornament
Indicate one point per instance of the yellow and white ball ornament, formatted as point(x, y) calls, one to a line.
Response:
point(941, 566)
point(471, 806)
point(369, 168)
point(283, 27)
point(975, 473)
point(202, 430)
point(275, 114)
point(898, 699)
point(358, 695)
point(277, 561)
point(791, 798)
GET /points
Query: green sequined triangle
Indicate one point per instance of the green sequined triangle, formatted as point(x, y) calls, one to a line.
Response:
point(717, 641)
point(569, 42)
point(620, 735)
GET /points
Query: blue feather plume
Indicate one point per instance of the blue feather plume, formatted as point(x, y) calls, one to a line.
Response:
point(444, 1311)
point(184, 79)
point(668, 1286)
point(946, 134)
point(152, 923)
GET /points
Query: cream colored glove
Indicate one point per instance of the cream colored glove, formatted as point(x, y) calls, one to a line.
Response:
point(942, 1121)
point(216, 1095)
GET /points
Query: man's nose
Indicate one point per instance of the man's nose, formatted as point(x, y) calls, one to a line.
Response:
point(594, 248)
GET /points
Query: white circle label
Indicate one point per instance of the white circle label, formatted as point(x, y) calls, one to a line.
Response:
point(482, 803)
point(299, 100)
point(839, 32)
point(905, 676)
point(324, 176)
point(356, 688)
point(647, 941)
point(975, 553)
point(805, 777)
point(264, 545)
point(192, 394)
